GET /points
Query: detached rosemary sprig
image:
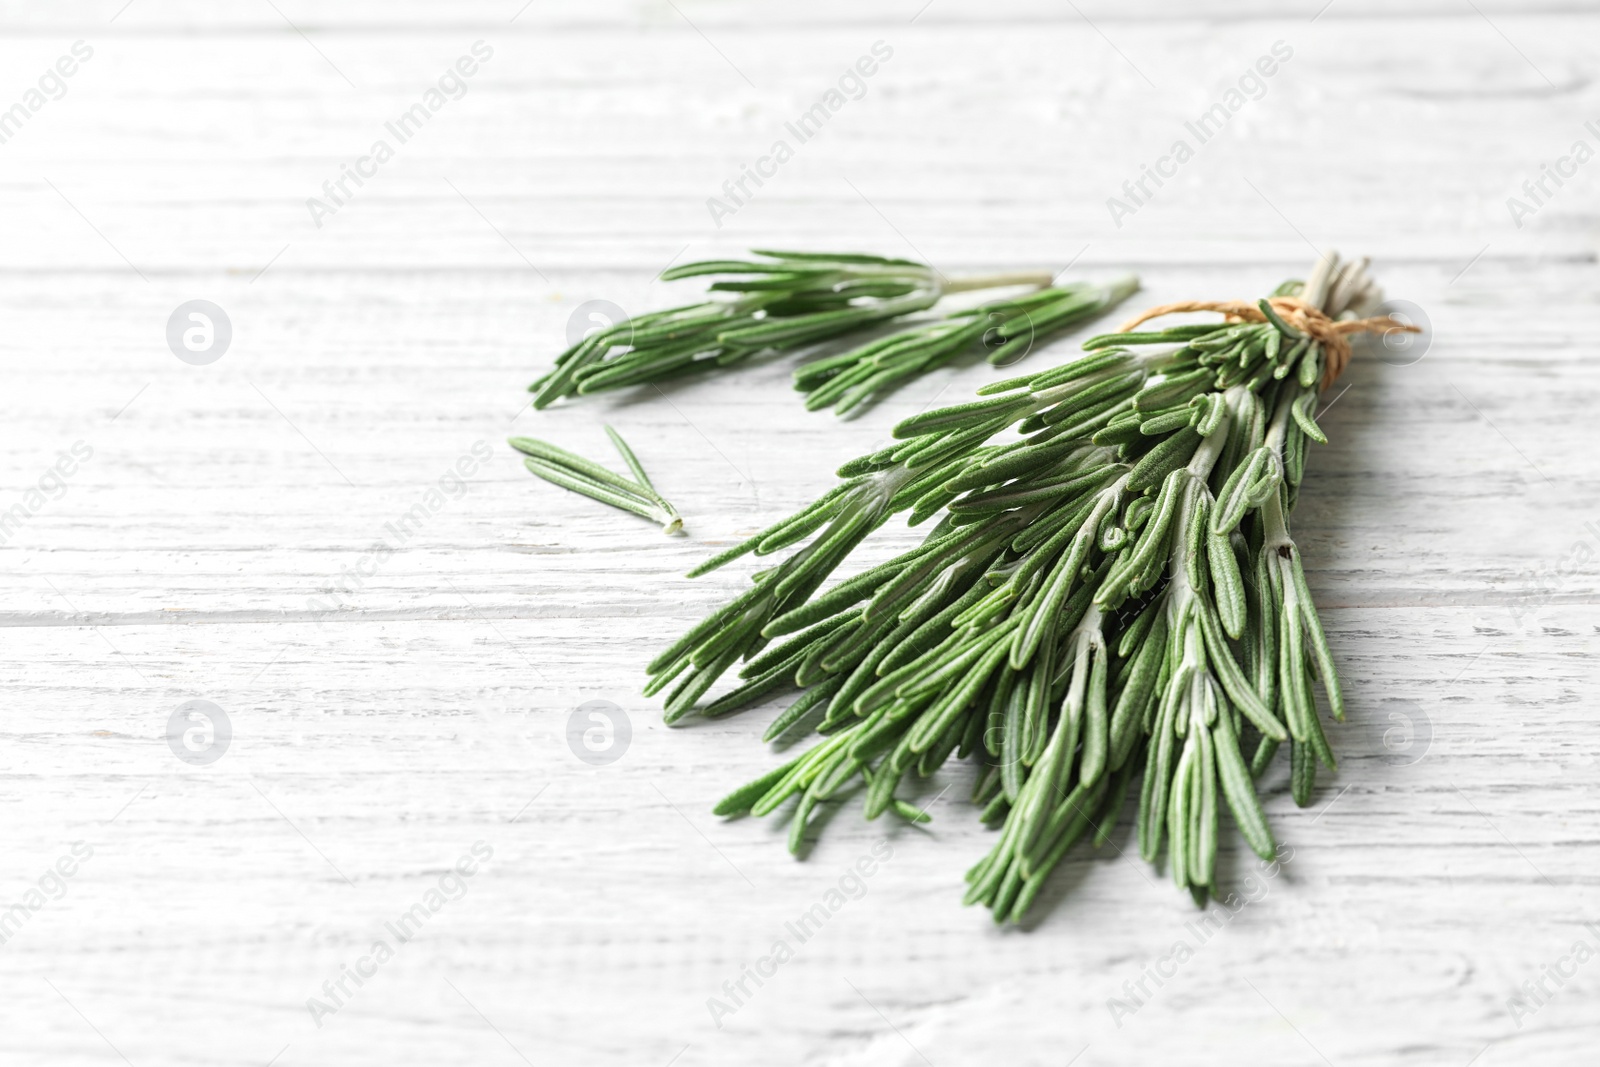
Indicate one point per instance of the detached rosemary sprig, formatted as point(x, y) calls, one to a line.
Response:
point(570, 471)
point(1113, 591)
point(1008, 328)
point(785, 300)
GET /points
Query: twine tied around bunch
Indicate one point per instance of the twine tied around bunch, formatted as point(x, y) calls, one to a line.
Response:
point(1299, 315)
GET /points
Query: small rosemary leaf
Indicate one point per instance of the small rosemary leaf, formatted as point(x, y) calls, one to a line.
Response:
point(594, 490)
point(1008, 384)
point(1040, 619)
point(959, 415)
point(1303, 773)
point(727, 556)
point(693, 687)
point(1266, 748)
point(740, 800)
point(1291, 360)
point(840, 257)
point(797, 528)
point(1319, 643)
point(1082, 367)
point(1163, 753)
point(1232, 678)
point(1149, 844)
point(835, 775)
point(674, 521)
point(1240, 791)
point(928, 635)
point(1204, 865)
point(1012, 464)
point(1310, 371)
point(711, 624)
point(1020, 494)
point(1319, 741)
point(1087, 397)
point(842, 649)
point(1301, 410)
point(664, 678)
point(795, 646)
point(1133, 638)
point(1175, 389)
point(631, 460)
point(945, 711)
point(910, 813)
point(1273, 346)
point(1127, 718)
point(1227, 583)
point(1233, 500)
point(1291, 672)
point(1069, 834)
point(751, 692)
point(1213, 417)
point(1221, 338)
point(1169, 456)
point(1178, 820)
point(841, 598)
point(741, 631)
point(1111, 340)
point(1092, 762)
point(797, 718)
point(720, 266)
point(797, 827)
point(1164, 422)
point(1273, 317)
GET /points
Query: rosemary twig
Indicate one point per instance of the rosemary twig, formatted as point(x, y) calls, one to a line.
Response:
point(1114, 591)
point(1008, 328)
point(571, 471)
point(784, 300)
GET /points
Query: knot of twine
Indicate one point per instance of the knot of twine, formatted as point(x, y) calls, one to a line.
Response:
point(1304, 317)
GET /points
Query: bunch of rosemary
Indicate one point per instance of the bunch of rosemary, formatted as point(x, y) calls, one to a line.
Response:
point(788, 300)
point(1115, 589)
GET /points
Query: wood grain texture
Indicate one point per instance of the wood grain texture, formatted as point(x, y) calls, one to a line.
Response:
point(194, 554)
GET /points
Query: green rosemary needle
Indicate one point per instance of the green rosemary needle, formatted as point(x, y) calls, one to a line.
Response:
point(1008, 328)
point(570, 471)
point(784, 300)
point(1114, 590)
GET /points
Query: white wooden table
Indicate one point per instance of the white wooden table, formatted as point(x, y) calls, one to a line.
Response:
point(191, 555)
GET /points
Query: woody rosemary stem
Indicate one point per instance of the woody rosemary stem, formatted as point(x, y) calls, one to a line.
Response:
point(1036, 278)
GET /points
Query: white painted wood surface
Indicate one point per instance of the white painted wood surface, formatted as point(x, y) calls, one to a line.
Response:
point(1451, 859)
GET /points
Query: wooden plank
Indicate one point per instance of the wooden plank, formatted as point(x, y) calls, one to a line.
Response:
point(228, 538)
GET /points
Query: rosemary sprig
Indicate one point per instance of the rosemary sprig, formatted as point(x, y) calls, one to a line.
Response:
point(1115, 590)
point(1008, 328)
point(785, 300)
point(571, 471)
